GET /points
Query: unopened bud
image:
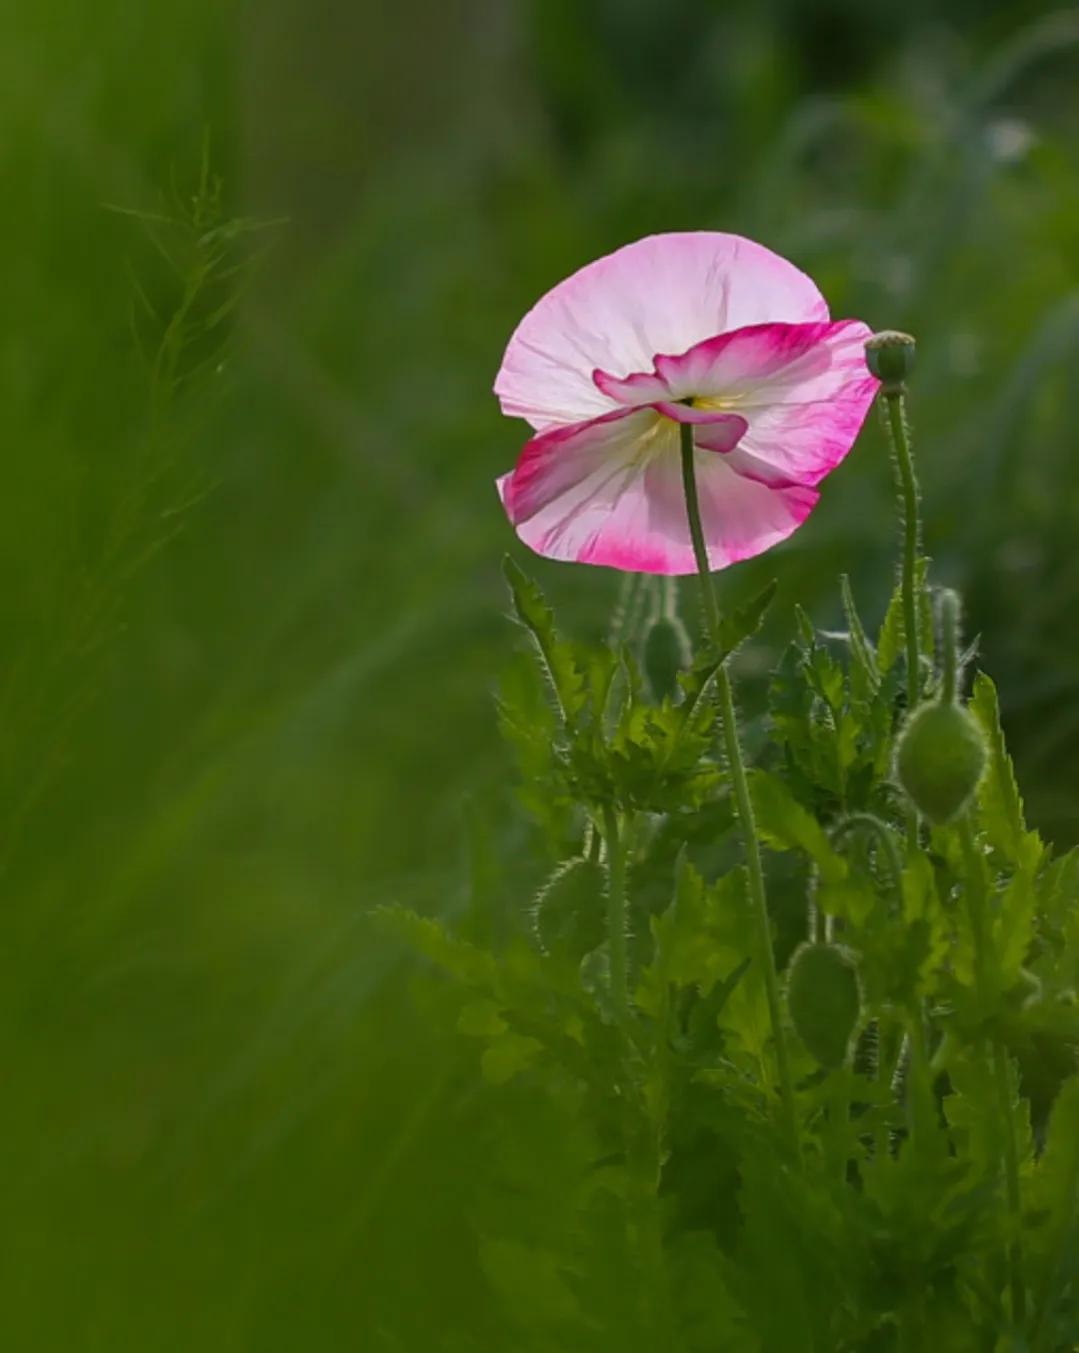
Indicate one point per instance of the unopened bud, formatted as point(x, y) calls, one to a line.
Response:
point(666, 653)
point(824, 1000)
point(940, 760)
point(567, 915)
point(890, 357)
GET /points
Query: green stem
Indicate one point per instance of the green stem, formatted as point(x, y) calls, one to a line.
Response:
point(866, 821)
point(616, 914)
point(838, 1120)
point(949, 627)
point(1011, 1181)
point(696, 533)
point(740, 789)
point(999, 1057)
point(922, 1107)
point(907, 484)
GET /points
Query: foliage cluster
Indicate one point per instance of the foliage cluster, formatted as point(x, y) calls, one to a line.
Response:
point(931, 1196)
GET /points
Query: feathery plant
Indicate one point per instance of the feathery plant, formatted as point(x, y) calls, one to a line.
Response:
point(180, 322)
point(865, 1154)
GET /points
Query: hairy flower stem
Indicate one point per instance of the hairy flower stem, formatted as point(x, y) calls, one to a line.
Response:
point(907, 486)
point(616, 914)
point(999, 1059)
point(740, 788)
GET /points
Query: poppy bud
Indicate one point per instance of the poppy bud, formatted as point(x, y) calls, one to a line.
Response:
point(890, 357)
point(824, 1000)
point(568, 913)
point(940, 760)
point(666, 653)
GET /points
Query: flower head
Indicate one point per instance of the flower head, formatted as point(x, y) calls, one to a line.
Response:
point(704, 329)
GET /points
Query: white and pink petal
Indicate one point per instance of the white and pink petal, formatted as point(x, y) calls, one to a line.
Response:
point(662, 294)
point(609, 491)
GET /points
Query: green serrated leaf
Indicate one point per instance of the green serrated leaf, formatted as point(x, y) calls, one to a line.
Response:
point(481, 1019)
point(698, 941)
point(1013, 928)
point(737, 627)
point(507, 1056)
point(892, 637)
point(434, 941)
point(784, 824)
point(1053, 1201)
point(862, 651)
point(998, 798)
point(557, 659)
point(851, 899)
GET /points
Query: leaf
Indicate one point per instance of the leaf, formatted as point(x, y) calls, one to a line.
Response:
point(530, 1282)
point(851, 899)
point(698, 941)
point(784, 824)
point(736, 628)
point(973, 1111)
point(891, 641)
point(1053, 1197)
point(507, 1055)
point(1013, 928)
point(556, 658)
point(429, 937)
point(481, 1019)
point(998, 798)
point(862, 651)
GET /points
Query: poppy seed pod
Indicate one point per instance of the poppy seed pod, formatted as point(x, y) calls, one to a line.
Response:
point(940, 760)
point(824, 1000)
point(666, 653)
point(890, 357)
point(567, 915)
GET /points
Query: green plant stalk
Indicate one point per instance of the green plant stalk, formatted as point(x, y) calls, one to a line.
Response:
point(998, 1057)
point(922, 1108)
point(616, 914)
point(1011, 1181)
point(949, 618)
point(907, 485)
point(740, 787)
point(838, 1120)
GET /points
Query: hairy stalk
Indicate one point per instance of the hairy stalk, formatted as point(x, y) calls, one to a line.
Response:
point(1011, 1181)
point(867, 822)
point(838, 1120)
point(922, 1110)
point(949, 624)
point(740, 788)
point(616, 914)
point(907, 486)
point(999, 1060)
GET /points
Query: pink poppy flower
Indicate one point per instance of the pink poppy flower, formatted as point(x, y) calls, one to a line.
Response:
point(700, 328)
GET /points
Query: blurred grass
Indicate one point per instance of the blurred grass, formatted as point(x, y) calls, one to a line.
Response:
point(226, 1126)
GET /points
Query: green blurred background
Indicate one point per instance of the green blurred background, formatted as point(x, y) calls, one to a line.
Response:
point(251, 628)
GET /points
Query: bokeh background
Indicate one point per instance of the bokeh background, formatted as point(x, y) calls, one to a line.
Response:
point(251, 610)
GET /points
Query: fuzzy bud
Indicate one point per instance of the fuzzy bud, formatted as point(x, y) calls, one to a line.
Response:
point(567, 915)
point(824, 1000)
point(940, 760)
point(666, 653)
point(890, 357)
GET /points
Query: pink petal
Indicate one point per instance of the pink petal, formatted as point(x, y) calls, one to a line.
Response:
point(609, 491)
point(804, 389)
point(642, 387)
point(661, 294)
point(725, 428)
